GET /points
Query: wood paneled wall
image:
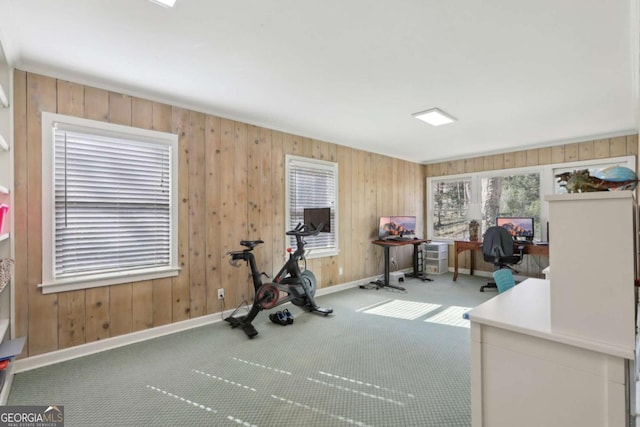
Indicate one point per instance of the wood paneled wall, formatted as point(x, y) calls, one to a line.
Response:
point(587, 150)
point(231, 187)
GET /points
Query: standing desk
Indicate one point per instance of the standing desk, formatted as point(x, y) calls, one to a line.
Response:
point(386, 244)
point(476, 245)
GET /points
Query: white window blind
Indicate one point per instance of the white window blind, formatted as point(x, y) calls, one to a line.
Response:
point(109, 204)
point(313, 184)
point(112, 203)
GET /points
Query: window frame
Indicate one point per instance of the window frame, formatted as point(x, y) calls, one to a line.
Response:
point(50, 283)
point(547, 186)
point(314, 164)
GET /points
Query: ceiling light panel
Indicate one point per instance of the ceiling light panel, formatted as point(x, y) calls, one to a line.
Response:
point(435, 117)
point(164, 3)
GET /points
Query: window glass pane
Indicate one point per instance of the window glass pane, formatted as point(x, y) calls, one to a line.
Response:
point(592, 168)
point(507, 192)
point(511, 195)
point(451, 200)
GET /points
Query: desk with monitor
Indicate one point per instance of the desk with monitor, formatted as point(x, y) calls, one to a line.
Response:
point(476, 245)
point(386, 245)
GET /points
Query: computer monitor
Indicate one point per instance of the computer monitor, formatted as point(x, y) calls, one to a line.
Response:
point(396, 226)
point(315, 216)
point(521, 228)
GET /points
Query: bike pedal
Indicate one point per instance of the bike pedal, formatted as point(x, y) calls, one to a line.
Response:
point(288, 316)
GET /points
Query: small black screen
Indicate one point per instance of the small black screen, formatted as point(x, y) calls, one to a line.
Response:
point(315, 216)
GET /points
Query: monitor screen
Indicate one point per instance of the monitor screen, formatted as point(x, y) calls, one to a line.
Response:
point(315, 216)
point(519, 227)
point(396, 226)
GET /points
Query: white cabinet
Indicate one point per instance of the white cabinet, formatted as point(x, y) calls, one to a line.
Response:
point(557, 352)
point(525, 374)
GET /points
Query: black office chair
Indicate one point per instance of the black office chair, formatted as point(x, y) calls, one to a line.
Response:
point(497, 248)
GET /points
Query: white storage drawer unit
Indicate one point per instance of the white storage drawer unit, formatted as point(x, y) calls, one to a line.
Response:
point(436, 257)
point(436, 250)
point(437, 266)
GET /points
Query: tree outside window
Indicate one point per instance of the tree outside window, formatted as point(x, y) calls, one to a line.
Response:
point(511, 195)
point(451, 207)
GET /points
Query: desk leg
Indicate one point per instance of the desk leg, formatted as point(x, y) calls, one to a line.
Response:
point(471, 262)
point(385, 282)
point(455, 263)
point(416, 274)
point(386, 266)
point(458, 251)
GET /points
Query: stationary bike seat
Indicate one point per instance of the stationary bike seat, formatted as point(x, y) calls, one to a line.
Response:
point(250, 243)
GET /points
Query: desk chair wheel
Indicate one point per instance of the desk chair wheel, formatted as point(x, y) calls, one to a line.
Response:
point(489, 286)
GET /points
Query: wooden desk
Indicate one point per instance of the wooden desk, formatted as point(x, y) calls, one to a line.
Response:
point(386, 244)
point(468, 245)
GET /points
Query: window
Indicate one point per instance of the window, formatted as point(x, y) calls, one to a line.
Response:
point(453, 201)
point(109, 203)
point(510, 195)
point(591, 166)
point(312, 183)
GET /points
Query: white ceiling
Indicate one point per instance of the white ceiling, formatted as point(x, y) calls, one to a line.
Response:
point(516, 74)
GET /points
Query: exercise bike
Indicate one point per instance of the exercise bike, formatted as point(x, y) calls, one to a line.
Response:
point(299, 286)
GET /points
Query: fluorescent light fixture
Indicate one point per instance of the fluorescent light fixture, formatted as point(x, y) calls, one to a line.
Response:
point(164, 3)
point(435, 117)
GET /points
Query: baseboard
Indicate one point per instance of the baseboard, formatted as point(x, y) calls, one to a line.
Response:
point(46, 359)
point(341, 287)
point(57, 356)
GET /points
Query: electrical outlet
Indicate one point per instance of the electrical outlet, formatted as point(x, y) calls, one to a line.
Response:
point(221, 293)
point(340, 272)
point(393, 260)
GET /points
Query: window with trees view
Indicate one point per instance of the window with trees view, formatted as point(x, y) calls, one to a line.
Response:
point(454, 200)
point(511, 195)
point(451, 201)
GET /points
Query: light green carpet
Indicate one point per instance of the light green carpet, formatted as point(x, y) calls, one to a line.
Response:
point(361, 366)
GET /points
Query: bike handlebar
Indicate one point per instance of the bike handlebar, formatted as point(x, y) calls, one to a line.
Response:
point(304, 230)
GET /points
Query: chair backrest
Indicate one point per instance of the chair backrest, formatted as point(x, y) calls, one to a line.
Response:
point(497, 242)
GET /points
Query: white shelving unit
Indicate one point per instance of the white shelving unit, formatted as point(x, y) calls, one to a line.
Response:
point(6, 183)
point(6, 197)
